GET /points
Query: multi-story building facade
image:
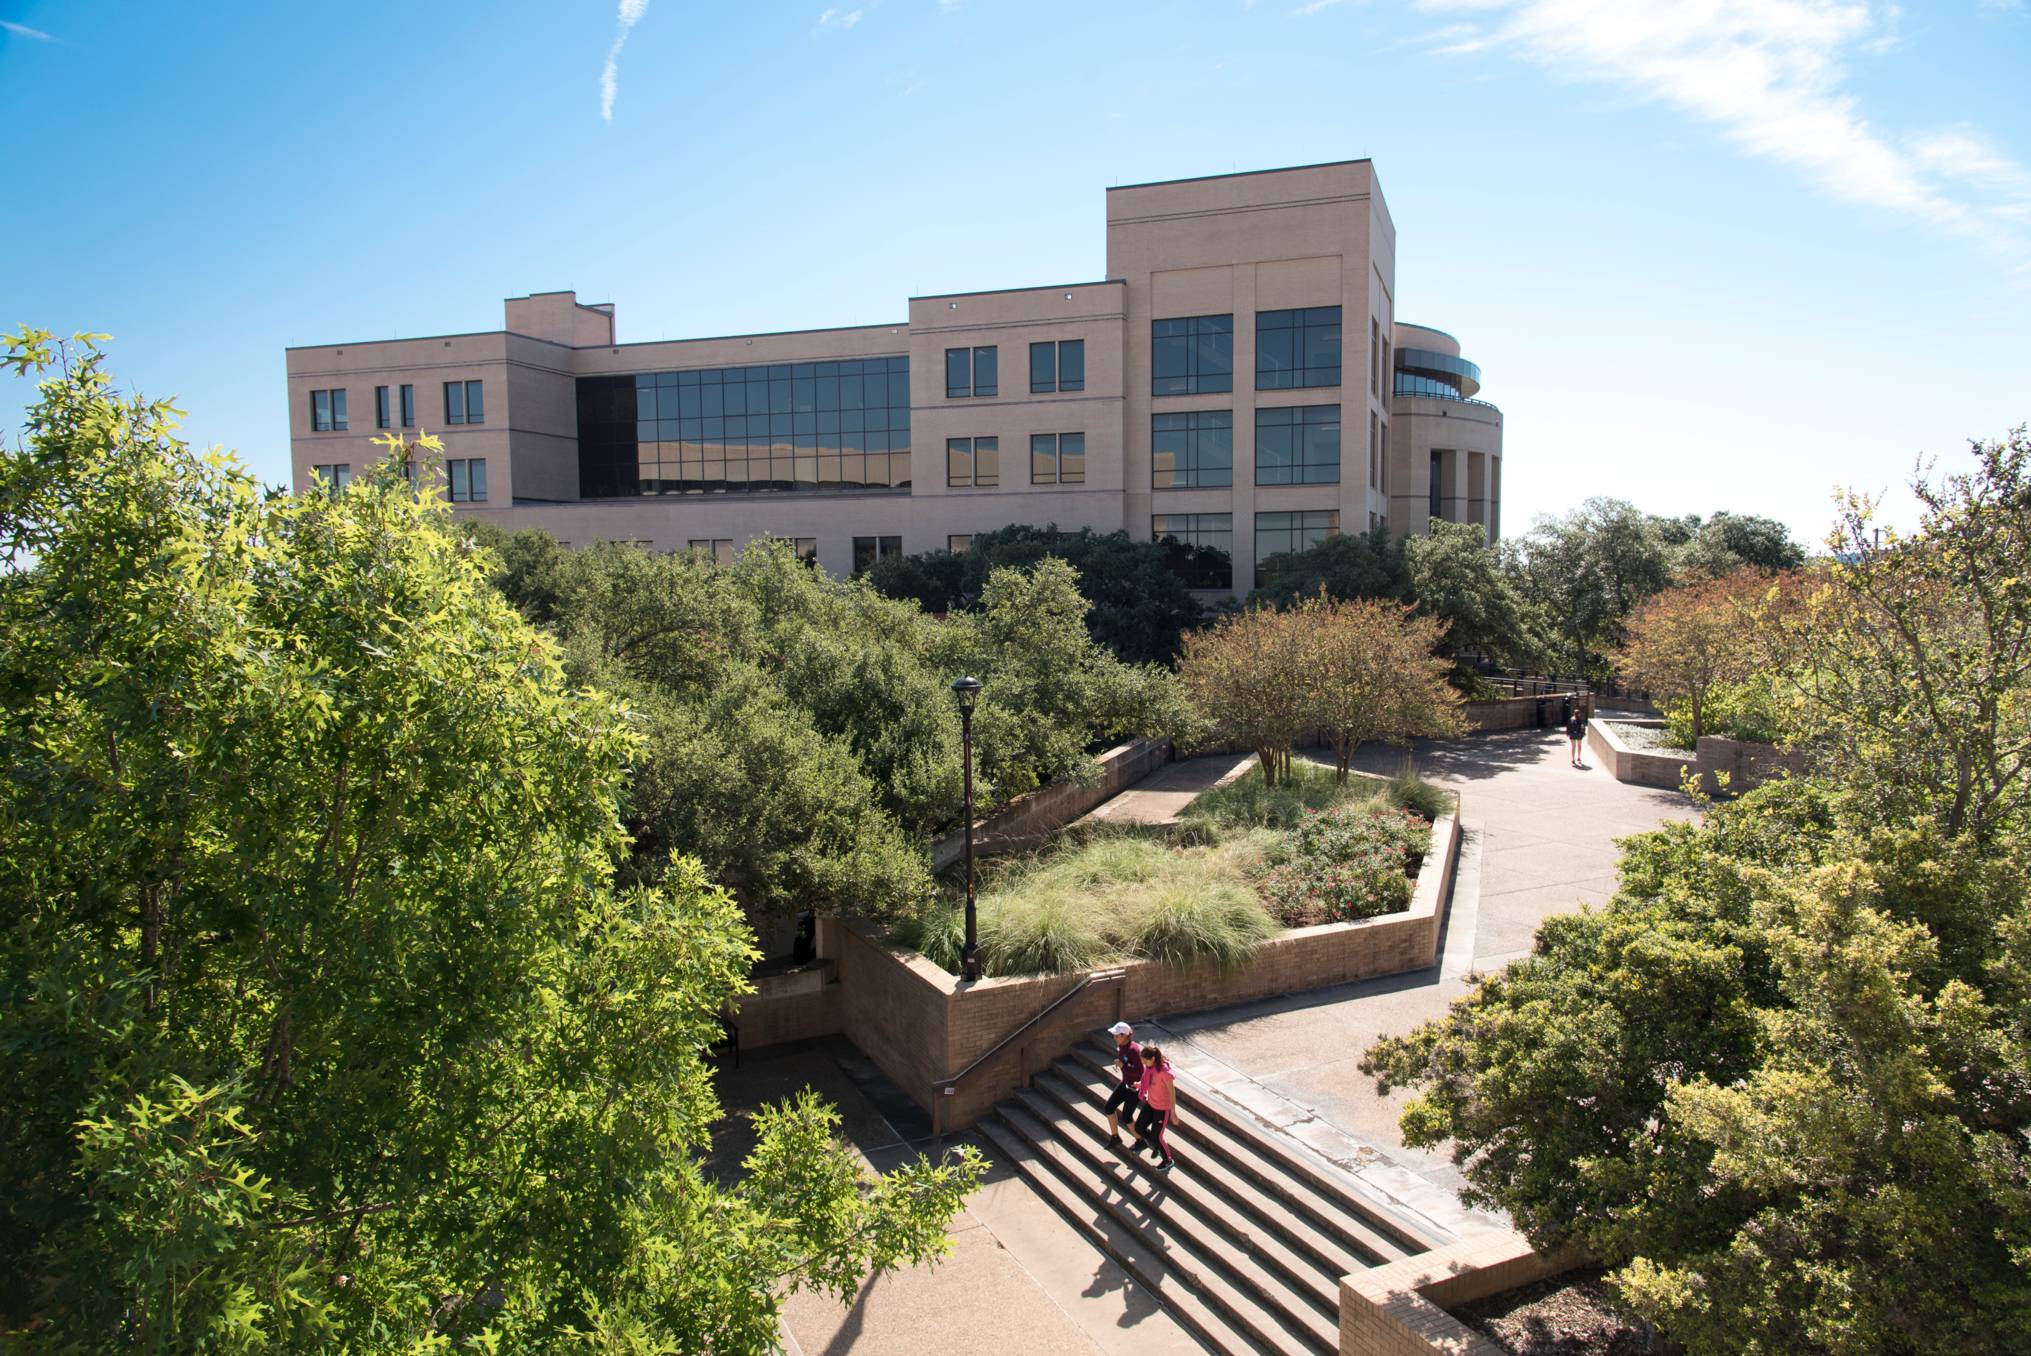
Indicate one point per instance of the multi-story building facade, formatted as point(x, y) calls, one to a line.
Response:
point(1236, 386)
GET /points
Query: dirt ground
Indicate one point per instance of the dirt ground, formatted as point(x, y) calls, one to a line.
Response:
point(1570, 1315)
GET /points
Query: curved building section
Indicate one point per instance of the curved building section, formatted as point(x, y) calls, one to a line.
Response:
point(1445, 444)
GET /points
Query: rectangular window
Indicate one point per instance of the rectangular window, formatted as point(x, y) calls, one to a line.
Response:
point(337, 476)
point(806, 549)
point(1374, 450)
point(468, 476)
point(959, 542)
point(867, 550)
point(1192, 355)
point(720, 549)
point(1276, 533)
point(971, 372)
point(1297, 348)
point(1198, 547)
point(464, 403)
point(381, 414)
point(1058, 366)
point(1297, 445)
point(1194, 450)
point(408, 406)
point(1374, 356)
point(1057, 459)
point(1438, 481)
point(1382, 457)
point(328, 411)
point(973, 463)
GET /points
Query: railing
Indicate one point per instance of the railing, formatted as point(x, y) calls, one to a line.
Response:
point(947, 1087)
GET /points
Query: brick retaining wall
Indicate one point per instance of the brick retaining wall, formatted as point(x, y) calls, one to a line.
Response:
point(1746, 765)
point(921, 1025)
point(1049, 808)
point(1400, 1309)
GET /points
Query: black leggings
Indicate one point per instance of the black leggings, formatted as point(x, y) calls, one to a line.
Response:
point(1149, 1127)
point(1124, 1100)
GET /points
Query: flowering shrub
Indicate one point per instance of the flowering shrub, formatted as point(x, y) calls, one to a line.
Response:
point(1347, 862)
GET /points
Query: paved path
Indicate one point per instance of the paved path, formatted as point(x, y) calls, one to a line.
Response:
point(1158, 798)
point(1538, 838)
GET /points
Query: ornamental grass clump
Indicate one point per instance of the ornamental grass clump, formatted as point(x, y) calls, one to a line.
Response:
point(1353, 861)
point(1193, 920)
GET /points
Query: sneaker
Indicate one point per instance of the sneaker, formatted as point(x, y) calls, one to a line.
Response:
point(1164, 1166)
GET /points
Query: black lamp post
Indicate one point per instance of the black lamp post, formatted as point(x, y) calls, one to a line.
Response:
point(967, 690)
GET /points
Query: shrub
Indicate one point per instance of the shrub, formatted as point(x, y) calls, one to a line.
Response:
point(1352, 861)
point(1749, 710)
point(1249, 801)
point(1408, 791)
point(1199, 918)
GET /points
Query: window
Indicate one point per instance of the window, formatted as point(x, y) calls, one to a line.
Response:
point(1057, 459)
point(867, 550)
point(1188, 451)
point(463, 403)
point(806, 549)
point(720, 549)
point(408, 407)
point(380, 407)
point(1438, 480)
point(1297, 445)
point(1058, 366)
point(1374, 356)
point(328, 411)
point(959, 543)
point(468, 476)
point(1382, 457)
point(1276, 533)
point(973, 463)
point(1374, 449)
point(336, 477)
point(1192, 355)
point(1297, 348)
point(835, 426)
point(1198, 547)
point(970, 372)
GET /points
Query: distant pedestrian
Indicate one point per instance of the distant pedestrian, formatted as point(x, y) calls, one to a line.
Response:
point(1126, 1098)
point(1576, 730)
point(1159, 1104)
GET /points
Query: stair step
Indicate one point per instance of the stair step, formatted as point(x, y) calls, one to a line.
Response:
point(1307, 1260)
point(1132, 1250)
point(1319, 1194)
point(1220, 1271)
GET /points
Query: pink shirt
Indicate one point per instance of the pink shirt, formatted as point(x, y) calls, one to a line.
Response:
point(1156, 1087)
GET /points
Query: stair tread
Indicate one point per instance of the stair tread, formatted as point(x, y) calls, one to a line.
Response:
point(1224, 1272)
point(1368, 1226)
point(1125, 1246)
point(1292, 1244)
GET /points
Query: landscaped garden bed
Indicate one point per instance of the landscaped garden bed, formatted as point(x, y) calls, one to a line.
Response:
point(1572, 1315)
point(1247, 861)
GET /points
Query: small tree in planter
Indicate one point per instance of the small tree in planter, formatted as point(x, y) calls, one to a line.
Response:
point(1252, 675)
point(1686, 642)
point(1375, 674)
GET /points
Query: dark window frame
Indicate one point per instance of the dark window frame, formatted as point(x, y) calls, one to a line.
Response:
point(460, 486)
point(1300, 466)
point(973, 358)
point(1308, 327)
point(382, 412)
point(1056, 351)
point(471, 397)
point(1190, 546)
point(972, 449)
point(1192, 469)
point(1196, 340)
point(1055, 454)
point(868, 550)
point(408, 406)
point(1294, 529)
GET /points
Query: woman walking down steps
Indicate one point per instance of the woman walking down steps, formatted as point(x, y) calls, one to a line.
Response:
point(1158, 1091)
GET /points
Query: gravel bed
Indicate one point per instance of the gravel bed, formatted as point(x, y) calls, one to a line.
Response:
point(1570, 1315)
point(1650, 737)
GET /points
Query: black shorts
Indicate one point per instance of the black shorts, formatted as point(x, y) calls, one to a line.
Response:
point(1124, 1100)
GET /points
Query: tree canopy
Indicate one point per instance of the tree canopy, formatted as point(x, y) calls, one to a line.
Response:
point(1345, 565)
point(1140, 606)
point(328, 1025)
point(1781, 1083)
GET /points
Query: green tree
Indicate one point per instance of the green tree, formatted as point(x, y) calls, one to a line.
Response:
point(1728, 542)
point(1455, 576)
point(1250, 676)
point(1588, 571)
point(1346, 565)
point(1140, 606)
point(326, 1024)
point(1687, 642)
point(1375, 675)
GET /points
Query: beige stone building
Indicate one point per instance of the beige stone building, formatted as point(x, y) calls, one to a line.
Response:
point(1237, 385)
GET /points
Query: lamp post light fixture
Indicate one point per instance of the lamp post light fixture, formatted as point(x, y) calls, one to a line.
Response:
point(967, 690)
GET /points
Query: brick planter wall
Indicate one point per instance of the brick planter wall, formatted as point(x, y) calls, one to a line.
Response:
point(921, 1025)
point(1049, 808)
point(1400, 1309)
point(1747, 765)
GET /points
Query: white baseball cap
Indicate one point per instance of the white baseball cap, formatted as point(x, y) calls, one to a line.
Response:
point(1120, 1029)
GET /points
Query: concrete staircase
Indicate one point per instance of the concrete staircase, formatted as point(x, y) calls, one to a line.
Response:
point(1244, 1240)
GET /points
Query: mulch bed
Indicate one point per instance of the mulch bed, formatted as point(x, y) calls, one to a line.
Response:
point(1570, 1315)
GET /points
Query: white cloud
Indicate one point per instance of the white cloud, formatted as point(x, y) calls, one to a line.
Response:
point(24, 31)
point(1772, 76)
point(840, 18)
point(609, 77)
point(1315, 6)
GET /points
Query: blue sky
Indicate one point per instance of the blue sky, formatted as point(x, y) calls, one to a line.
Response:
point(1709, 255)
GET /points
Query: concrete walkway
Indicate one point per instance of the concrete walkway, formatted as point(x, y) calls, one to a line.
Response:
point(1160, 797)
point(1538, 838)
